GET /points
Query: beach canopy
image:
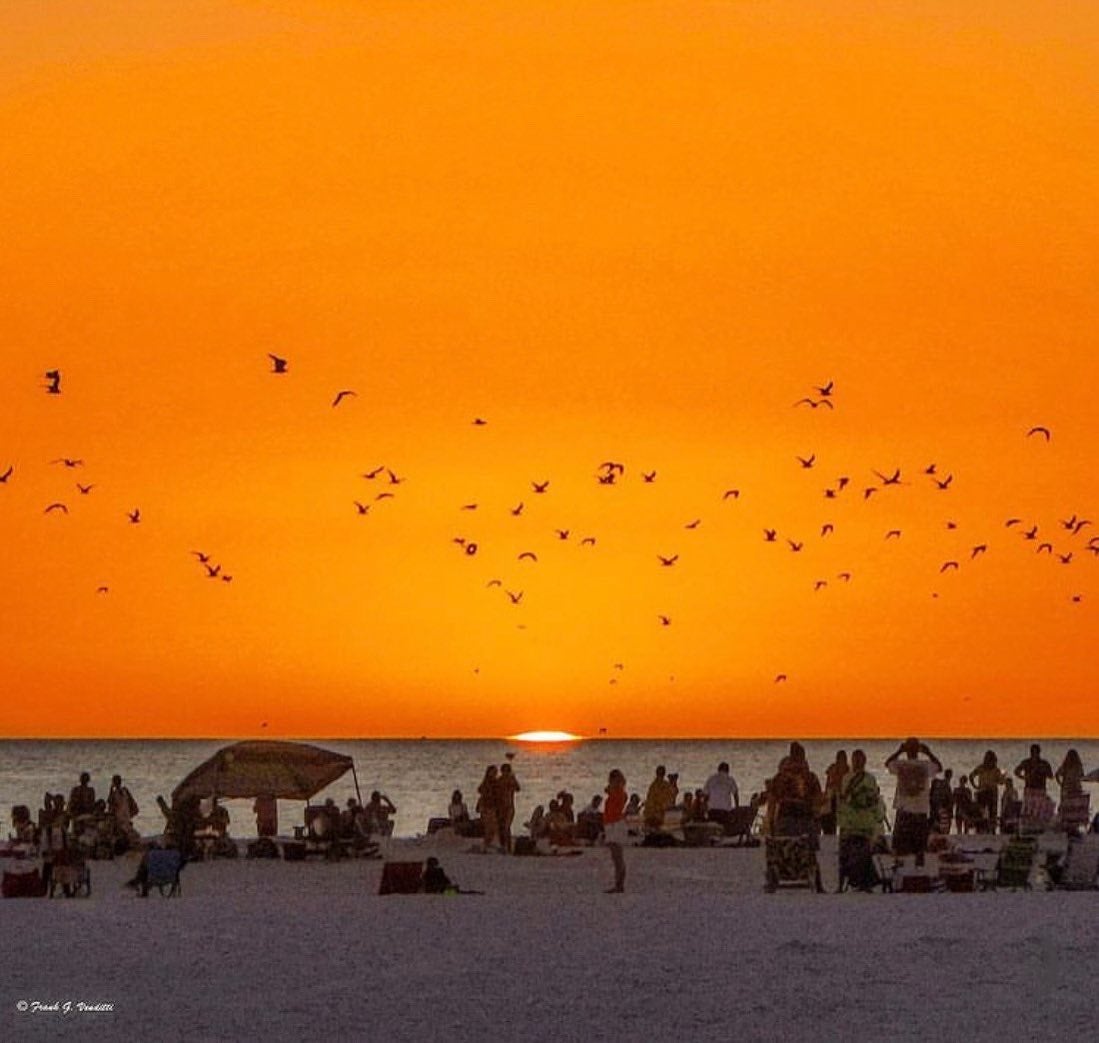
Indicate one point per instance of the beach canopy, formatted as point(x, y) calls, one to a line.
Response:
point(287, 770)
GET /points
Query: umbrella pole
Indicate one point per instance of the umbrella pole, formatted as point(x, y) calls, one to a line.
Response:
point(354, 775)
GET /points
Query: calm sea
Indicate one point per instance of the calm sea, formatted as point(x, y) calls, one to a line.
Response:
point(419, 775)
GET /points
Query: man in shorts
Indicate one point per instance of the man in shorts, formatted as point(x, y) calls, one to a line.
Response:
point(912, 801)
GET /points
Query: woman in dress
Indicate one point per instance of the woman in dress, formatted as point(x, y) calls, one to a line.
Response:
point(486, 808)
point(1075, 803)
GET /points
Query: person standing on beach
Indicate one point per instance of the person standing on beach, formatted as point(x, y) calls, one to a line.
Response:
point(507, 785)
point(912, 801)
point(833, 780)
point(987, 779)
point(722, 796)
point(659, 798)
point(81, 799)
point(858, 816)
point(1035, 773)
point(122, 808)
point(615, 833)
point(486, 808)
point(1075, 803)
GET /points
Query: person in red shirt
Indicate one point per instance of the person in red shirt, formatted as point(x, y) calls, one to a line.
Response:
point(615, 832)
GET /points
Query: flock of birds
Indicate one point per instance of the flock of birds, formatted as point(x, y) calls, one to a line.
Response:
point(1073, 542)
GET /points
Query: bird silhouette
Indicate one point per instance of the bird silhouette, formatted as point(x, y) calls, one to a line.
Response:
point(948, 565)
point(7, 474)
point(807, 461)
point(841, 482)
point(212, 571)
point(1031, 533)
point(930, 469)
point(769, 535)
point(814, 402)
point(648, 476)
point(361, 508)
point(868, 492)
point(203, 558)
point(1012, 521)
point(341, 395)
point(68, 461)
point(479, 421)
point(610, 466)
point(1039, 430)
point(53, 379)
point(779, 678)
point(84, 489)
point(278, 365)
point(826, 528)
point(516, 597)
point(385, 496)
point(371, 475)
point(539, 487)
point(606, 479)
point(893, 534)
point(1065, 559)
point(517, 509)
point(693, 524)
point(528, 555)
point(845, 576)
point(795, 546)
point(134, 515)
point(667, 562)
point(945, 482)
point(826, 389)
point(469, 507)
point(562, 534)
point(820, 584)
point(951, 524)
point(893, 479)
point(495, 583)
point(979, 549)
point(829, 494)
point(226, 578)
point(102, 590)
point(1046, 548)
point(56, 507)
point(734, 493)
point(393, 478)
point(665, 621)
point(588, 541)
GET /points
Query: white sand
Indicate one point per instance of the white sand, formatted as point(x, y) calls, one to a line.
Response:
point(695, 950)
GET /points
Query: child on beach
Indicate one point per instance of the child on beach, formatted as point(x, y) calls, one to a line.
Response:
point(614, 827)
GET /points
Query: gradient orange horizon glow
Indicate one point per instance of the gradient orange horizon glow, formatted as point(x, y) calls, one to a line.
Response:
point(616, 233)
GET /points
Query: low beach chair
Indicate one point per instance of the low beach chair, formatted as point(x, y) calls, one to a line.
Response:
point(1081, 869)
point(740, 823)
point(163, 866)
point(1015, 864)
point(71, 875)
point(401, 878)
point(791, 862)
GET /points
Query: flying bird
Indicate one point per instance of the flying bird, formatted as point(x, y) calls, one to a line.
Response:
point(1065, 559)
point(393, 479)
point(371, 475)
point(611, 466)
point(665, 621)
point(893, 479)
point(278, 365)
point(540, 487)
point(779, 677)
point(807, 461)
point(945, 482)
point(842, 481)
point(7, 474)
point(562, 534)
point(892, 533)
point(528, 555)
point(845, 576)
point(948, 565)
point(212, 571)
point(1031, 533)
point(867, 493)
point(666, 562)
point(226, 579)
point(648, 476)
point(84, 489)
point(469, 507)
point(693, 524)
point(820, 584)
point(53, 385)
point(384, 496)
point(56, 507)
point(814, 402)
point(517, 509)
point(203, 558)
point(1012, 521)
point(362, 508)
point(479, 421)
point(795, 546)
point(1046, 547)
point(1039, 430)
point(979, 549)
point(495, 583)
point(734, 493)
point(769, 535)
point(134, 515)
point(102, 590)
point(826, 389)
point(515, 598)
point(588, 541)
point(826, 528)
point(68, 461)
point(340, 396)
point(829, 494)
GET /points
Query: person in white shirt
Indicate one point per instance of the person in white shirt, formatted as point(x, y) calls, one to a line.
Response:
point(722, 795)
point(912, 801)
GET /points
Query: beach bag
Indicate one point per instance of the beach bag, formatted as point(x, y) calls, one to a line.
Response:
point(23, 885)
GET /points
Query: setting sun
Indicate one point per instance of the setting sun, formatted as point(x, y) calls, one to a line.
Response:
point(546, 737)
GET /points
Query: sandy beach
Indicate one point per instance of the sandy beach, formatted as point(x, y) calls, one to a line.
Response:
point(695, 949)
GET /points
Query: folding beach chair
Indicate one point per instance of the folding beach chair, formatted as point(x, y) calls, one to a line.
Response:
point(1081, 869)
point(71, 875)
point(791, 862)
point(163, 866)
point(402, 878)
point(739, 823)
point(1015, 864)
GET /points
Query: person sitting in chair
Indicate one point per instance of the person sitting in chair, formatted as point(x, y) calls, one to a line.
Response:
point(436, 882)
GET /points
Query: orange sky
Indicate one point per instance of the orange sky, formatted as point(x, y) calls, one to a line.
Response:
point(616, 232)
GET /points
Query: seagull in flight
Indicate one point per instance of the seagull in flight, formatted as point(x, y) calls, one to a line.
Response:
point(340, 396)
point(795, 546)
point(362, 508)
point(892, 533)
point(102, 590)
point(540, 487)
point(893, 479)
point(979, 549)
point(648, 476)
point(734, 493)
point(779, 678)
point(68, 461)
point(588, 541)
point(371, 475)
point(7, 474)
point(515, 598)
point(826, 528)
point(1039, 430)
point(479, 421)
point(824, 390)
point(665, 621)
point(769, 535)
point(134, 515)
point(814, 402)
point(807, 461)
point(948, 565)
point(693, 524)
point(278, 364)
point(212, 571)
point(945, 482)
point(528, 555)
point(517, 509)
point(203, 558)
point(562, 534)
point(53, 386)
point(84, 489)
point(56, 507)
point(667, 562)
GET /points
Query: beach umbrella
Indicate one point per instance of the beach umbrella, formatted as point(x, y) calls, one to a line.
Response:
point(285, 770)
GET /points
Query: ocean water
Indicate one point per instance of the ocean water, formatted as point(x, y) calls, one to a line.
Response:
point(419, 775)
